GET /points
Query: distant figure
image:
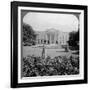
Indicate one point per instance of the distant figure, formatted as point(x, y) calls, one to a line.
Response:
point(48, 42)
point(43, 52)
point(66, 49)
point(56, 42)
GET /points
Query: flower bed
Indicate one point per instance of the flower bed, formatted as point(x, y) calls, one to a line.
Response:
point(60, 65)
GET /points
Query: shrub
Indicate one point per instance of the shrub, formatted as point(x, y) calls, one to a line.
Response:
point(60, 65)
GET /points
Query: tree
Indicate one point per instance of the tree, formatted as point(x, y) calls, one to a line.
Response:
point(74, 39)
point(29, 35)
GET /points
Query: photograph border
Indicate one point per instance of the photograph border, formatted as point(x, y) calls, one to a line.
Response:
point(14, 43)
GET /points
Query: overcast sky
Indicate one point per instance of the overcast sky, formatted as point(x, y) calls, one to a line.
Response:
point(44, 21)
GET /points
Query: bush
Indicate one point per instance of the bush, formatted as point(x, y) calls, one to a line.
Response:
point(60, 65)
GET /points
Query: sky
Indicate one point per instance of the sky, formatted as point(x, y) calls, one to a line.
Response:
point(45, 21)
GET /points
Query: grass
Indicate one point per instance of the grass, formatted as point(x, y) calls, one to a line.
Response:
point(52, 52)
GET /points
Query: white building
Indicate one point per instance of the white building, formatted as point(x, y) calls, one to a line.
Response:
point(52, 36)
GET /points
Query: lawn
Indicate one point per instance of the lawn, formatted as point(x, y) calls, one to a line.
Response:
point(52, 52)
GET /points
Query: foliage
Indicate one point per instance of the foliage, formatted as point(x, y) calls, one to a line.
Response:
point(74, 38)
point(29, 35)
point(60, 65)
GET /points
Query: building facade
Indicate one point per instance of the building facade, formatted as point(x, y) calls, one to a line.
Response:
point(52, 36)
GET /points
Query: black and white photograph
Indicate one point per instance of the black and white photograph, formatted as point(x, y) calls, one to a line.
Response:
point(51, 44)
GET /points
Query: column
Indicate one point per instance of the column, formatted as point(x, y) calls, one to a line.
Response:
point(50, 39)
point(55, 38)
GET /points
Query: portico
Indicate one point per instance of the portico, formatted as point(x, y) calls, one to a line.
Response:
point(52, 37)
